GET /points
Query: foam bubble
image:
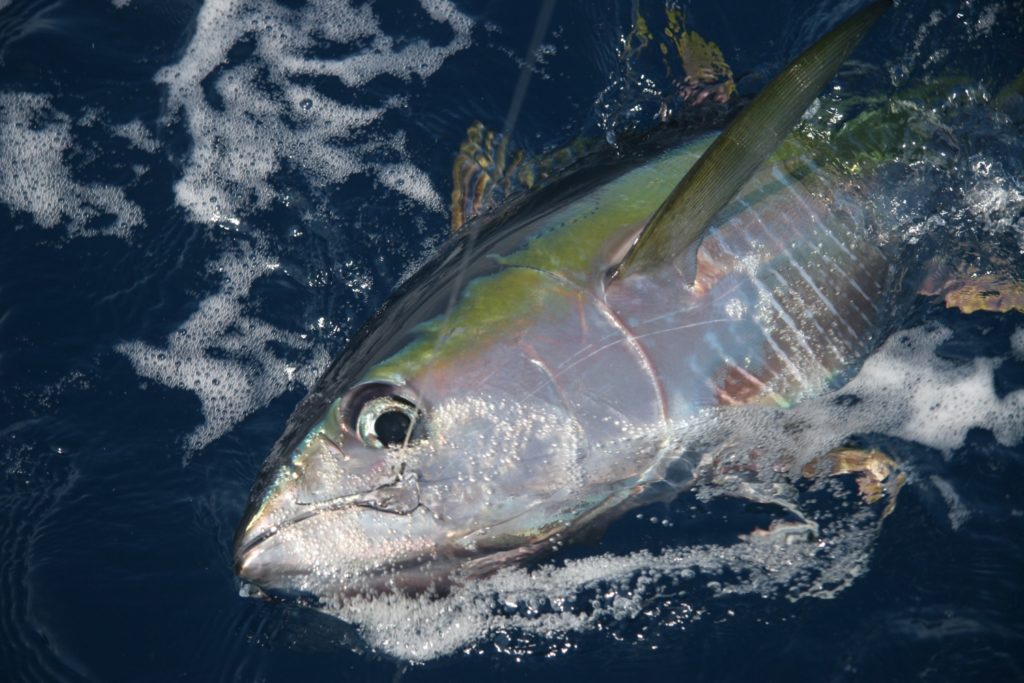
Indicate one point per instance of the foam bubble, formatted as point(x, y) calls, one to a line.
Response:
point(35, 179)
point(993, 200)
point(223, 355)
point(262, 115)
point(904, 390)
point(137, 134)
point(410, 181)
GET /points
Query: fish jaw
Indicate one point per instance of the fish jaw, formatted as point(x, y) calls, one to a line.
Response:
point(352, 550)
point(334, 525)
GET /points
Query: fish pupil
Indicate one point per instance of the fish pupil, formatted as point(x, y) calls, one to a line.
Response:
point(391, 427)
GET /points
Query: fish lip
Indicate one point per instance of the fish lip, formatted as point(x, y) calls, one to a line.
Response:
point(244, 546)
point(246, 542)
point(397, 577)
point(247, 547)
point(242, 543)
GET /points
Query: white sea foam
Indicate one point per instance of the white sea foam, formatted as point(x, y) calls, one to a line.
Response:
point(994, 198)
point(249, 120)
point(904, 390)
point(34, 177)
point(911, 393)
point(137, 134)
point(223, 355)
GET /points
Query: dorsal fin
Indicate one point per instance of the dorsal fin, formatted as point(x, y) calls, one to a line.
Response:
point(743, 146)
point(488, 170)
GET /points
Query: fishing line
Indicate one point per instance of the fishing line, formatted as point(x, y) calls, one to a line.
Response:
point(540, 30)
point(526, 71)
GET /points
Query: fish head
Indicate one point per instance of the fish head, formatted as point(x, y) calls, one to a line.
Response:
point(445, 460)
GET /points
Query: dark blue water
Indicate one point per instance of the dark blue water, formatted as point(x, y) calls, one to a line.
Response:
point(200, 202)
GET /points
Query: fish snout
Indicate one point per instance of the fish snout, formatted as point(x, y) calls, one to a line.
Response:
point(254, 544)
point(295, 539)
point(263, 562)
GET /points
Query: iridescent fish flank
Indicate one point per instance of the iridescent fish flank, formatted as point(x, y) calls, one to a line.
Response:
point(567, 356)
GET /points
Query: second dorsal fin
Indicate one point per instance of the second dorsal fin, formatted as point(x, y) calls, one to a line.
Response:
point(743, 146)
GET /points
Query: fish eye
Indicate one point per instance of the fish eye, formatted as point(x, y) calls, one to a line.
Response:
point(385, 421)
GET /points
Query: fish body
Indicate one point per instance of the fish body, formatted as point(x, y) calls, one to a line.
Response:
point(556, 397)
point(524, 387)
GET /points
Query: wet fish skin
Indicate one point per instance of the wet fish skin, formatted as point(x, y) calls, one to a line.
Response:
point(557, 420)
point(549, 398)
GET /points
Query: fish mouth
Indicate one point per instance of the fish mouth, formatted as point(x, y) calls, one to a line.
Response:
point(270, 548)
point(274, 565)
point(249, 538)
point(273, 557)
point(257, 533)
point(262, 562)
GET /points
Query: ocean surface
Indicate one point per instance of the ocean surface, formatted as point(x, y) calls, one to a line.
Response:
point(201, 201)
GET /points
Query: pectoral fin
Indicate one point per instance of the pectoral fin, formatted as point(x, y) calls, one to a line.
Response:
point(744, 145)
